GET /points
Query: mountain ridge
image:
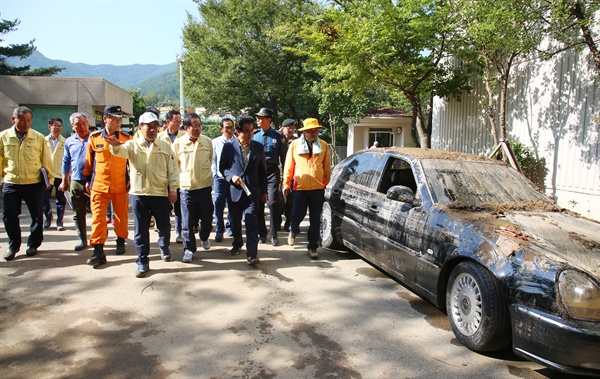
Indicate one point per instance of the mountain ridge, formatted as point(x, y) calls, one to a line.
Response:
point(148, 78)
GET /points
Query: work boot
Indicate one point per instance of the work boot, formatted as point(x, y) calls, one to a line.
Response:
point(120, 246)
point(98, 258)
point(60, 215)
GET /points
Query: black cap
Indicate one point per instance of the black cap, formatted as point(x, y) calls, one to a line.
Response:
point(265, 112)
point(113, 110)
point(288, 122)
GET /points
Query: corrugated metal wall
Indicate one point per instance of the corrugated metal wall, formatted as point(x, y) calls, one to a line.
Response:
point(554, 108)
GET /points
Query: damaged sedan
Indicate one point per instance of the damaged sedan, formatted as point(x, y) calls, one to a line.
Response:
point(478, 240)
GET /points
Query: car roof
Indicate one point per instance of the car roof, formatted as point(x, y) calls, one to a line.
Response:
point(417, 152)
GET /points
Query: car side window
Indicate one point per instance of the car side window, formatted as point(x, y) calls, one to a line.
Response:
point(398, 173)
point(363, 171)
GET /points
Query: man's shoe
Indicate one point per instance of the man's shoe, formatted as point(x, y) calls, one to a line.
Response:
point(48, 221)
point(165, 255)
point(60, 228)
point(205, 244)
point(218, 238)
point(262, 239)
point(235, 250)
point(80, 246)
point(178, 239)
point(98, 258)
point(142, 270)
point(291, 239)
point(120, 246)
point(31, 251)
point(229, 232)
point(252, 260)
point(187, 256)
point(312, 253)
point(274, 241)
point(9, 254)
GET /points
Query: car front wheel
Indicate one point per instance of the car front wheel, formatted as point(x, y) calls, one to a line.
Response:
point(329, 229)
point(477, 309)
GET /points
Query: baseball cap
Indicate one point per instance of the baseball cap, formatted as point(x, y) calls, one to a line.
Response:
point(147, 118)
point(113, 110)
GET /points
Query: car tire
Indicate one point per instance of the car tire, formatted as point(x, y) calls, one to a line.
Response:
point(330, 229)
point(477, 309)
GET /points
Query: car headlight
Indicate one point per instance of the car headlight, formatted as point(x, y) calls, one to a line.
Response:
point(580, 295)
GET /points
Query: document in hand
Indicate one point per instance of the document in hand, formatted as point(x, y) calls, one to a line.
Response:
point(45, 177)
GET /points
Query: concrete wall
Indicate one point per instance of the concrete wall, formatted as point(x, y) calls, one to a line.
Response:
point(88, 95)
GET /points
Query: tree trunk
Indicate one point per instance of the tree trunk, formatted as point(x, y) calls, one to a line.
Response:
point(490, 107)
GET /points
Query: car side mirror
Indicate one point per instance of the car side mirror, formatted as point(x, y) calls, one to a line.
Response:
point(403, 194)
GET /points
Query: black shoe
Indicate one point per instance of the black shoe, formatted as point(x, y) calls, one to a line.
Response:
point(9, 254)
point(218, 238)
point(80, 246)
point(235, 250)
point(252, 260)
point(262, 239)
point(48, 221)
point(312, 253)
point(274, 241)
point(31, 251)
point(120, 246)
point(98, 258)
point(142, 270)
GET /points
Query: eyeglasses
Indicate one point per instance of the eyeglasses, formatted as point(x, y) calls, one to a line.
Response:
point(195, 126)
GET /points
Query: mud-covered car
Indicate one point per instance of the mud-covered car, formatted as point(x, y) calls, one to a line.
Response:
point(475, 238)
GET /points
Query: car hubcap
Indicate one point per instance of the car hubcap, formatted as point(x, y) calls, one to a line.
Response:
point(466, 305)
point(325, 223)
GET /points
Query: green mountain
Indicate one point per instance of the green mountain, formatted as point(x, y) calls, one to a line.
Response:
point(149, 78)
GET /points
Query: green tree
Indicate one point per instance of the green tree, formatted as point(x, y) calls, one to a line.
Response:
point(403, 47)
point(573, 23)
point(236, 58)
point(22, 51)
point(499, 35)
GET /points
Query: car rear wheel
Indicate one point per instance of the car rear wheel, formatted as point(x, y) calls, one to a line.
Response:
point(477, 309)
point(329, 229)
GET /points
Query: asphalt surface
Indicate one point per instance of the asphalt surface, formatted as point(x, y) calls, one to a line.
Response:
point(217, 317)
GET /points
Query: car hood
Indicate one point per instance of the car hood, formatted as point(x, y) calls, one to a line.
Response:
point(559, 236)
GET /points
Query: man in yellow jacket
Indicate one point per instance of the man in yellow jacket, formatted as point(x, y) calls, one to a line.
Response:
point(23, 153)
point(154, 183)
point(56, 143)
point(308, 167)
point(194, 154)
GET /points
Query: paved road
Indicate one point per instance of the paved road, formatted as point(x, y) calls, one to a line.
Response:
point(217, 317)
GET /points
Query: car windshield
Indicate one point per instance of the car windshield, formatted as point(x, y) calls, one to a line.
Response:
point(479, 184)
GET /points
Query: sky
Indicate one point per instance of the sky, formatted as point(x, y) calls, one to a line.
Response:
point(118, 32)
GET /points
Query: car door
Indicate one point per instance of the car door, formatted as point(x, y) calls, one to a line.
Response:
point(351, 194)
point(392, 228)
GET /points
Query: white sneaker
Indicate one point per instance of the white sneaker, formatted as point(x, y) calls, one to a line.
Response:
point(187, 256)
point(206, 244)
point(291, 239)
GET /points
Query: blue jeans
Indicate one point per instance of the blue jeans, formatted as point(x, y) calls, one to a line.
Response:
point(195, 205)
point(32, 195)
point(313, 200)
point(144, 207)
point(221, 192)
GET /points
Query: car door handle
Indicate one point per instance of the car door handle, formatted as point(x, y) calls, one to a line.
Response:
point(373, 208)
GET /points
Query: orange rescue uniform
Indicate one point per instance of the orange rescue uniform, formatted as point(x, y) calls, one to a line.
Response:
point(108, 184)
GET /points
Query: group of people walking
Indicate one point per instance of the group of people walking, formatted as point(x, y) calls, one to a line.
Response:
point(177, 169)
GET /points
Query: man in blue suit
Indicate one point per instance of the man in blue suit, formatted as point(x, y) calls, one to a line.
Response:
point(244, 167)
